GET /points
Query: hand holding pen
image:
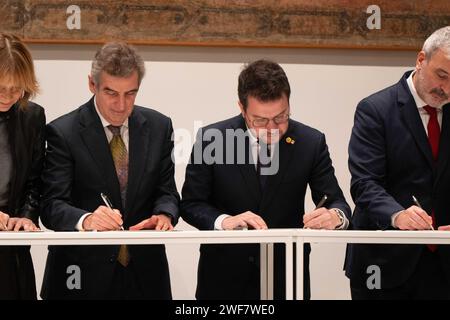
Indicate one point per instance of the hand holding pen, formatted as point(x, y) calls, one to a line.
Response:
point(416, 202)
point(108, 204)
point(104, 218)
point(413, 218)
point(318, 218)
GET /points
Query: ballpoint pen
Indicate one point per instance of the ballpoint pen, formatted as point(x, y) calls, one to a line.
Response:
point(416, 202)
point(108, 204)
point(322, 201)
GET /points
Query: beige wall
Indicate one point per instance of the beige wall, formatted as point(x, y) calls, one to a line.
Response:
point(200, 84)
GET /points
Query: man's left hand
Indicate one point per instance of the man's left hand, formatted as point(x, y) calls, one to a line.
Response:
point(17, 224)
point(159, 222)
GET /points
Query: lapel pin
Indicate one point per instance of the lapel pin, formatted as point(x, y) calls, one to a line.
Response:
point(290, 140)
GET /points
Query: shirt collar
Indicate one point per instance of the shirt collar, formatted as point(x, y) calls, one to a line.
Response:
point(253, 138)
point(105, 123)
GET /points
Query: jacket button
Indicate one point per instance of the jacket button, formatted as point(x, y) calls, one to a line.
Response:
point(112, 259)
point(251, 259)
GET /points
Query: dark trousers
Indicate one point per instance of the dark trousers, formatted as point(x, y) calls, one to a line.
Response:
point(17, 274)
point(428, 282)
point(241, 281)
point(125, 285)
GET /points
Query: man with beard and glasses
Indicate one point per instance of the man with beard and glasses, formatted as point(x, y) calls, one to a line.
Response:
point(399, 157)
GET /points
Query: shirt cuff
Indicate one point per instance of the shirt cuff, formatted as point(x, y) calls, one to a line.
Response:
point(345, 223)
point(393, 217)
point(219, 220)
point(79, 225)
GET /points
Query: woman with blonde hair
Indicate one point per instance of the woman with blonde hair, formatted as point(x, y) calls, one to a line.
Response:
point(22, 127)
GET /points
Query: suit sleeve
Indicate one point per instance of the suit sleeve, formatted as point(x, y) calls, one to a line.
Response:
point(367, 164)
point(196, 207)
point(323, 180)
point(30, 208)
point(167, 198)
point(58, 213)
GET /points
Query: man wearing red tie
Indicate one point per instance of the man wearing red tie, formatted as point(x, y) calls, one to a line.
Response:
point(400, 148)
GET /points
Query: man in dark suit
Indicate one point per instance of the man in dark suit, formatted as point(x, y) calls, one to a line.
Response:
point(400, 148)
point(256, 177)
point(110, 146)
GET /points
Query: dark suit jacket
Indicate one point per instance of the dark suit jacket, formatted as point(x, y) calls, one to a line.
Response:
point(26, 129)
point(232, 271)
point(390, 160)
point(78, 167)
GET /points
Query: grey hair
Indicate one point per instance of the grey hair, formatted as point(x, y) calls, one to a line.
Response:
point(440, 39)
point(117, 59)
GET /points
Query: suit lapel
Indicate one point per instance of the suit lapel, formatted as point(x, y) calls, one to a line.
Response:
point(282, 158)
point(93, 135)
point(139, 141)
point(411, 117)
point(444, 142)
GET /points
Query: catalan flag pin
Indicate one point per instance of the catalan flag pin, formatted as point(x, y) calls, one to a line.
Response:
point(290, 140)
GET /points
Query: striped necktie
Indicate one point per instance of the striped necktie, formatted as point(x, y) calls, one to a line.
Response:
point(120, 157)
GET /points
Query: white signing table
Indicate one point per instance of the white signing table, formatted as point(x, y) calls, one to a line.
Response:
point(350, 236)
point(266, 238)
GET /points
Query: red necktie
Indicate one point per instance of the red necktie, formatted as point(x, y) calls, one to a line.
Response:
point(434, 131)
point(434, 134)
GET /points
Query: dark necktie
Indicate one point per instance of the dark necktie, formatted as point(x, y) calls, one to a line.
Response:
point(434, 134)
point(120, 157)
point(263, 163)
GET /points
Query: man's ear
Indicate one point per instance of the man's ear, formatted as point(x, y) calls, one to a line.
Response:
point(241, 107)
point(421, 58)
point(92, 86)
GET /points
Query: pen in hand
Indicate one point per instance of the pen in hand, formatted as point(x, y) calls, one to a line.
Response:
point(416, 202)
point(320, 204)
point(108, 204)
point(322, 201)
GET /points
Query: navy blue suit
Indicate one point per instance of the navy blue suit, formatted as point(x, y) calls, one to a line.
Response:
point(390, 160)
point(232, 271)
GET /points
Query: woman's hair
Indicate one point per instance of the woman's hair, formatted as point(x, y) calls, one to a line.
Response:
point(16, 65)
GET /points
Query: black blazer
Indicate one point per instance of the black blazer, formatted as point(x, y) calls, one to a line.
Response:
point(390, 160)
point(78, 167)
point(226, 271)
point(26, 129)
